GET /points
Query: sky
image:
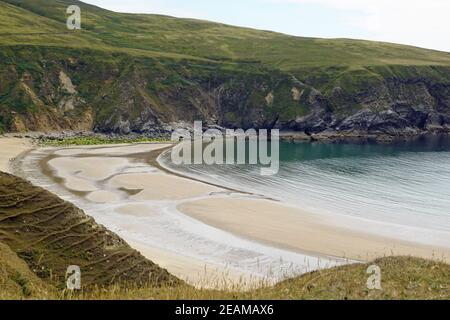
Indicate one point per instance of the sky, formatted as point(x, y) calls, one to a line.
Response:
point(422, 23)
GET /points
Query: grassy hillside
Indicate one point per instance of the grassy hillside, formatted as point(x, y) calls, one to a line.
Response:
point(50, 235)
point(155, 35)
point(17, 281)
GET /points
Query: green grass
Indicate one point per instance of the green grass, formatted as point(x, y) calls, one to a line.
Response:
point(97, 140)
point(17, 281)
point(402, 278)
point(163, 36)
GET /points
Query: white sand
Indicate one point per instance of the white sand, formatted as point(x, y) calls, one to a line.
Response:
point(80, 174)
point(91, 168)
point(161, 186)
point(137, 210)
point(103, 196)
point(147, 218)
point(84, 173)
point(11, 148)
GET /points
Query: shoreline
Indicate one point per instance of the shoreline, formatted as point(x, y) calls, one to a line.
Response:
point(149, 218)
point(362, 226)
point(358, 137)
point(285, 135)
point(304, 232)
point(154, 161)
point(278, 227)
point(375, 245)
point(368, 247)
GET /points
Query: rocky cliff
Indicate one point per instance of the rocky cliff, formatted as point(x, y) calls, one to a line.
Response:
point(47, 89)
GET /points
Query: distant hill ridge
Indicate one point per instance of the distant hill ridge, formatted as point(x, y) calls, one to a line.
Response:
point(202, 39)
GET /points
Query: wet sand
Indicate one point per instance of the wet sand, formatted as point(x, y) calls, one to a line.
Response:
point(297, 230)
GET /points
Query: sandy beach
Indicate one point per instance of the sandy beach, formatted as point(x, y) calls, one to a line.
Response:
point(11, 148)
point(206, 235)
point(300, 231)
point(117, 186)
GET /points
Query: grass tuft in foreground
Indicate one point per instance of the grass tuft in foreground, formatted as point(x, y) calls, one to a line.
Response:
point(401, 278)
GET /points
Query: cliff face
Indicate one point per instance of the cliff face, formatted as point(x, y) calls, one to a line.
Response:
point(386, 101)
point(36, 94)
point(43, 89)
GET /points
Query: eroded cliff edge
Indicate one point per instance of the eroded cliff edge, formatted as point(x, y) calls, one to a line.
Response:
point(45, 89)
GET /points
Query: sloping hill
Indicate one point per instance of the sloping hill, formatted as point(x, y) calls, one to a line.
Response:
point(203, 39)
point(50, 235)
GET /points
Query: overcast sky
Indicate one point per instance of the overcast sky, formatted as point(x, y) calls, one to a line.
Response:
point(423, 23)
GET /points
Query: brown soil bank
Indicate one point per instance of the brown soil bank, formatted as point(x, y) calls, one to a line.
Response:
point(50, 234)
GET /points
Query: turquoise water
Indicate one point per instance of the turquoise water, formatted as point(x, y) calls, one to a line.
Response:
point(405, 183)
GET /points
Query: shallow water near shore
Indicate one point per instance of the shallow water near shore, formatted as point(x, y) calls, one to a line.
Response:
point(404, 183)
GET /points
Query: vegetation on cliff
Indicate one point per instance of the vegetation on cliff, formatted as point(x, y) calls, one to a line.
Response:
point(95, 140)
